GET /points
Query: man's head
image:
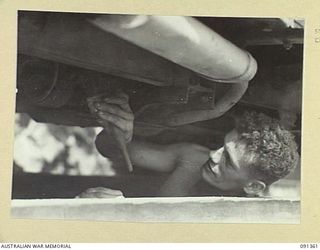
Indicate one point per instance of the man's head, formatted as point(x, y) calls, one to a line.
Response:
point(255, 154)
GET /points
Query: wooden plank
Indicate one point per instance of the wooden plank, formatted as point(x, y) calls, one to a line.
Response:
point(200, 209)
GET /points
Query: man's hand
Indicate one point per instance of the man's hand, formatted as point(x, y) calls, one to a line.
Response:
point(101, 192)
point(113, 111)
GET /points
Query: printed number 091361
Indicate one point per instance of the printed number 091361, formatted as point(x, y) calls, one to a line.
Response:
point(306, 245)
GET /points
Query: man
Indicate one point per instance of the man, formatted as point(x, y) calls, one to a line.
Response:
point(255, 154)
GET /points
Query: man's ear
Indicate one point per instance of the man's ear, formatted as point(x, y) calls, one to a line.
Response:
point(254, 187)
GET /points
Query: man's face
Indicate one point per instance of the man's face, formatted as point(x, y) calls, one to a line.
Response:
point(228, 167)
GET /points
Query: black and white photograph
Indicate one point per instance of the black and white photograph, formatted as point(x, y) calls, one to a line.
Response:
point(149, 118)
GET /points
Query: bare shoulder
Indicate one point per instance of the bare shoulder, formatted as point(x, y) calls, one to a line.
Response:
point(193, 153)
point(192, 147)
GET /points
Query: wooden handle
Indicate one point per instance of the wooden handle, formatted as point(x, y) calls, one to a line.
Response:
point(119, 138)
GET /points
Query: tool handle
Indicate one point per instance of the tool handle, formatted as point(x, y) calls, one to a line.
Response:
point(119, 138)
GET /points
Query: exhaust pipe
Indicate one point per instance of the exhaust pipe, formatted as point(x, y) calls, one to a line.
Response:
point(185, 41)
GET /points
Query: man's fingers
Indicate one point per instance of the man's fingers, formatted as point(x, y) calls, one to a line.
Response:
point(113, 111)
point(104, 190)
point(116, 110)
point(121, 101)
point(115, 120)
point(94, 98)
point(100, 192)
point(104, 124)
point(92, 107)
point(123, 95)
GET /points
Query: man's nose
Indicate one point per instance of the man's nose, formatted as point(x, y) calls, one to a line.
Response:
point(216, 155)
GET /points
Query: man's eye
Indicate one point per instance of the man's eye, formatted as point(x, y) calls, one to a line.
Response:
point(228, 160)
point(211, 162)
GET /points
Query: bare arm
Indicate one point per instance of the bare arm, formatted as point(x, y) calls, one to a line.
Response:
point(162, 158)
point(146, 155)
point(182, 179)
point(184, 160)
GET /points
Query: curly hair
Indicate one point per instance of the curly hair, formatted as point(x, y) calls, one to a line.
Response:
point(275, 147)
